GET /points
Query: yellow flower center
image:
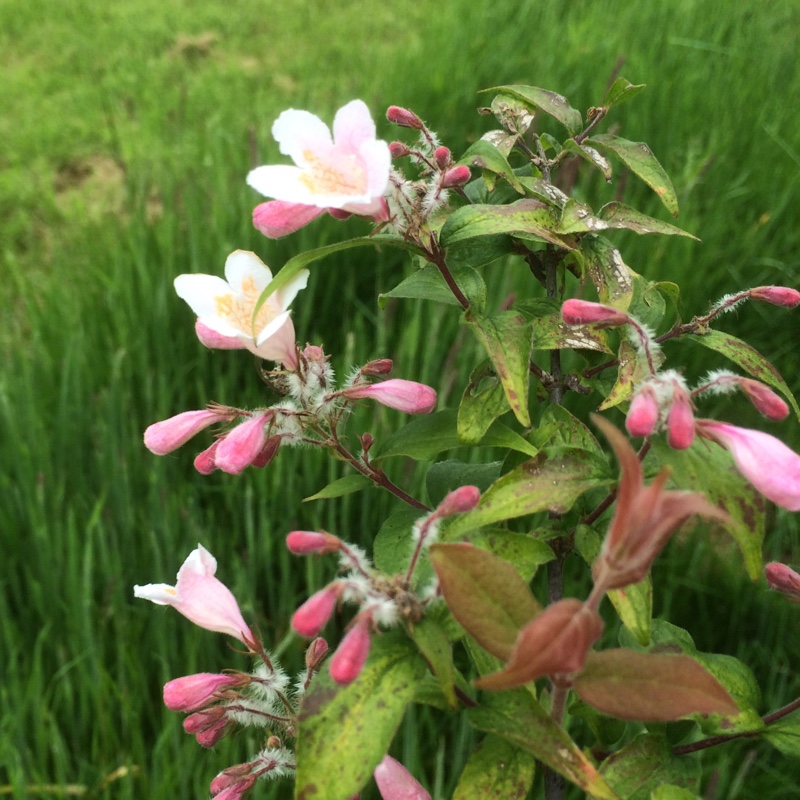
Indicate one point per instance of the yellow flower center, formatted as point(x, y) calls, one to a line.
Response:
point(238, 309)
point(319, 177)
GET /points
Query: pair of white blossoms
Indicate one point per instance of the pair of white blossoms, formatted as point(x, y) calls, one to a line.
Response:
point(345, 173)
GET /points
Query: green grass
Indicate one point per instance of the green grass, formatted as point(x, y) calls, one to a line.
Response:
point(128, 129)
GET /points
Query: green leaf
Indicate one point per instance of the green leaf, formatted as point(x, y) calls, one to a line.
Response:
point(485, 594)
point(393, 546)
point(710, 469)
point(432, 642)
point(507, 339)
point(784, 735)
point(486, 156)
point(634, 603)
point(618, 215)
point(476, 253)
point(611, 276)
point(342, 486)
point(647, 304)
point(579, 218)
point(559, 428)
point(594, 157)
point(526, 216)
point(620, 92)
point(344, 732)
point(445, 476)
point(748, 358)
point(632, 370)
point(545, 192)
point(541, 484)
point(672, 792)
point(513, 115)
point(639, 158)
point(301, 260)
point(523, 551)
point(552, 333)
point(428, 284)
point(555, 105)
point(517, 717)
point(645, 764)
point(496, 769)
point(432, 434)
point(483, 401)
point(650, 687)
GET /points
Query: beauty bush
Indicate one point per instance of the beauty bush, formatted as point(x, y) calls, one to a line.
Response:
point(450, 619)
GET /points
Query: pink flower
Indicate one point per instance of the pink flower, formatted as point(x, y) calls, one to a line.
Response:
point(460, 500)
point(765, 461)
point(306, 542)
point(243, 445)
point(644, 412)
point(314, 614)
point(204, 462)
point(348, 172)
point(352, 652)
point(225, 308)
point(169, 434)
point(216, 341)
point(408, 396)
point(777, 295)
point(680, 420)
point(764, 399)
point(395, 782)
point(236, 790)
point(783, 579)
point(192, 692)
point(582, 312)
point(200, 597)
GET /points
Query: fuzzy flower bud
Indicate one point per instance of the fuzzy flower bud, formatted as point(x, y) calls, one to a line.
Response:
point(192, 692)
point(777, 295)
point(236, 790)
point(395, 782)
point(644, 412)
point(783, 579)
point(457, 176)
point(404, 118)
point(305, 542)
point(164, 437)
point(316, 652)
point(352, 652)
point(680, 420)
point(230, 777)
point(582, 312)
point(442, 157)
point(764, 399)
point(314, 614)
point(380, 366)
point(465, 498)
point(408, 396)
point(399, 150)
point(204, 462)
point(243, 445)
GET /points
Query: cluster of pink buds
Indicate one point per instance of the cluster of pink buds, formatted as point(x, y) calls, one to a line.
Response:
point(382, 600)
point(411, 202)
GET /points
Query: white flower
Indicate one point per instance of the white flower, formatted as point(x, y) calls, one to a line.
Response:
point(226, 306)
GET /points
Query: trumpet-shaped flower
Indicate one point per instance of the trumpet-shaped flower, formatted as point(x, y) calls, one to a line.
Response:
point(200, 597)
point(169, 434)
point(395, 782)
point(408, 396)
point(765, 461)
point(225, 308)
point(348, 172)
point(192, 692)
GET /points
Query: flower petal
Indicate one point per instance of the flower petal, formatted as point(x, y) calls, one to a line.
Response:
point(278, 218)
point(353, 126)
point(298, 131)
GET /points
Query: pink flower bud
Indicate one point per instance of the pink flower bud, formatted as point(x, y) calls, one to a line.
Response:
point(643, 413)
point(783, 579)
point(680, 421)
point(380, 366)
point(340, 213)
point(765, 461)
point(211, 735)
point(204, 462)
point(465, 498)
point(777, 295)
point(395, 782)
point(203, 720)
point(442, 157)
point(242, 445)
point(399, 150)
point(404, 118)
point(408, 396)
point(237, 790)
point(230, 777)
point(164, 437)
point(314, 614)
point(216, 341)
point(764, 399)
point(352, 652)
point(313, 352)
point(192, 692)
point(267, 452)
point(278, 218)
point(457, 176)
point(582, 312)
point(306, 542)
point(316, 652)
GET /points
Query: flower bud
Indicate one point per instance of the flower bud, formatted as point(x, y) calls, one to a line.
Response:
point(164, 437)
point(777, 295)
point(582, 312)
point(408, 396)
point(192, 692)
point(395, 782)
point(680, 421)
point(267, 452)
point(442, 157)
point(404, 118)
point(399, 150)
point(380, 366)
point(314, 614)
point(242, 446)
point(352, 652)
point(764, 399)
point(204, 462)
point(305, 542)
point(340, 214)
point(316, 652)
point(644, 412)
point(465, 498)
point(783, 579)
point(230, 777)
point(203, 720)
point(457, 176)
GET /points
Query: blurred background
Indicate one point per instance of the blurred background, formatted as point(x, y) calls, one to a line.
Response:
point(127, 129)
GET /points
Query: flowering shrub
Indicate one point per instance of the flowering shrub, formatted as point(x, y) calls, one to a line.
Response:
point(458, 576)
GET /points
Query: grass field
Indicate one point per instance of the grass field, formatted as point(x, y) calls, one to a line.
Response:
point(127, 131)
